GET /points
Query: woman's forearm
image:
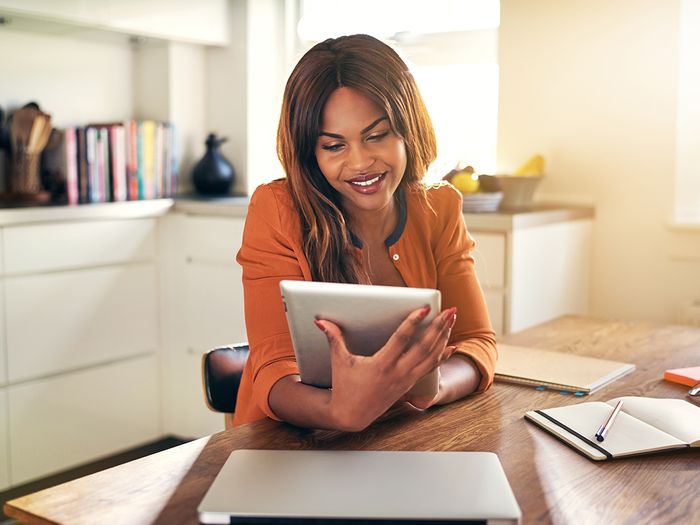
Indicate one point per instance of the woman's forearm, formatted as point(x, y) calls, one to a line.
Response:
point(459, 377)
point(301, 405)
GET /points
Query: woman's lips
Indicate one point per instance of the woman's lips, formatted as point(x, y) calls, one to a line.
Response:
point(367, 183)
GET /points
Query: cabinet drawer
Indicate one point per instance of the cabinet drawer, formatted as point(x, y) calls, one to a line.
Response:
point(48, 247)
point(494, 303)
point(4, 443)
point(213, 239)
point(61, 321)
point(63, 421)
point(213, 306)
point(490, 258)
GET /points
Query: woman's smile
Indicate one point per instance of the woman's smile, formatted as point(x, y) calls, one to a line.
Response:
point(367, 183)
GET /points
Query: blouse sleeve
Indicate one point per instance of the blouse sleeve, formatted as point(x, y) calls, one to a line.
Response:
point(267, 255)
point(459, 286)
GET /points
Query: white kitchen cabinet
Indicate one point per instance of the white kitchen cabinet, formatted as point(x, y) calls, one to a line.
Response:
point(3, 330)
point(35, 248)
point(3, 352)
point(203, 309)
point(532, 265)
point(550, 272)
point(80, 334)
point(85, 317)
point(201, 22)
point(62, 421)
point(4, 443)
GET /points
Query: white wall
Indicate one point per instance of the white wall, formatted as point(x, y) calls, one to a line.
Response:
point(46, 68)
point(245, 82)
point(593, 86)
point(226, 90)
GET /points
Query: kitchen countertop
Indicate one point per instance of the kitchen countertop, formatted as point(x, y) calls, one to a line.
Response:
point(503, 220)
point(236, 206)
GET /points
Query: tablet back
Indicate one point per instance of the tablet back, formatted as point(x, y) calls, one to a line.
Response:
point(367, 316)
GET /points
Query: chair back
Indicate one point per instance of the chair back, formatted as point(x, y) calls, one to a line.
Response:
point(222, 368)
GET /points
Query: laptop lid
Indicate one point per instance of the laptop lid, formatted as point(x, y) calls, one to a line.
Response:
point(265, 486)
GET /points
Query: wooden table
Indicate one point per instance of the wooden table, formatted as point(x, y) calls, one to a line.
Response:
point(551, 482)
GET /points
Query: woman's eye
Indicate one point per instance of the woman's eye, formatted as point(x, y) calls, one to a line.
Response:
point(331, 147)
point(378, 136)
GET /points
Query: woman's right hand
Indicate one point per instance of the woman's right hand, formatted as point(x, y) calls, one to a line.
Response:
point(364, 387)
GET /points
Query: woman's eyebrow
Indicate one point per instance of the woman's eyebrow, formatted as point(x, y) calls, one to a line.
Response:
point(365, 130)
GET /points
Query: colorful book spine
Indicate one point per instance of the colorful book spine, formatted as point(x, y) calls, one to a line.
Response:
point(104, 174)
point(71, 145)
point(92, 166)
point(139, 160)
point(148, 128)
point(158, 161)
point(83, 176)
point(117, 140)
point(132, 160)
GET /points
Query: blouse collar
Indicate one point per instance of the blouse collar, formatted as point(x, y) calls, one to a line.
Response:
point(400, 225)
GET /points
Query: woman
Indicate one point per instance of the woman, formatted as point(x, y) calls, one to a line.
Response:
point(355, 140)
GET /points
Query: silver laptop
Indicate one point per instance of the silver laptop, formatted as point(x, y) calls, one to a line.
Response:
point(263, 486)
point(367, 315)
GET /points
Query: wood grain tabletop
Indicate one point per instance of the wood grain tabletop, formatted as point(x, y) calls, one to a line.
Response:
point(552, 482)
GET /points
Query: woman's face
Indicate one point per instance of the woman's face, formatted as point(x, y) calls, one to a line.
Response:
point(358, 153)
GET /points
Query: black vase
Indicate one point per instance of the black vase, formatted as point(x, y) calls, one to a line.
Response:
point(213, 174)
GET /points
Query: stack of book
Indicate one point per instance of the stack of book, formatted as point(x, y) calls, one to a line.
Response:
point(122, 161)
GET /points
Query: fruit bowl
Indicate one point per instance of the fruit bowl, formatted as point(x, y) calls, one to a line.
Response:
point(518, 190)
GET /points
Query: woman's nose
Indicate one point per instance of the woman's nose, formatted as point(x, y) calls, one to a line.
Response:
point(359, 158)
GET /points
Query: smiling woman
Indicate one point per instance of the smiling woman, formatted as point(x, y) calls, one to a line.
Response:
point(355, 140)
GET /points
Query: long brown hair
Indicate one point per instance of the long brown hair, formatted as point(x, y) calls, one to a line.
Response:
point(374, 69)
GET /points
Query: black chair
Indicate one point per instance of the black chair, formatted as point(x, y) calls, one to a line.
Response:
point(222, 368)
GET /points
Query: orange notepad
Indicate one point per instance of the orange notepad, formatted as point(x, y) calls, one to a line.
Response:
point(685, 376)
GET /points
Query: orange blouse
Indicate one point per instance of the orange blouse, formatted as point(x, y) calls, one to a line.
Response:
point(430, 248)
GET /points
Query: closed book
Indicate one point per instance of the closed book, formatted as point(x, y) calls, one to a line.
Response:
point(643, 426)
point(685, 376)
point(556, 370)
point(92, 164)
point(148, 128)
point(71, 145)
point(117, 150)
point(103, 165)
point(139, 161)
point(132, 189)
point(83, 175)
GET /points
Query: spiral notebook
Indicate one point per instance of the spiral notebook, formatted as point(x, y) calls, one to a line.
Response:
point(557, 370)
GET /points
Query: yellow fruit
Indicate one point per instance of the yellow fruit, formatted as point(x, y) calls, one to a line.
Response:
point(533, 166)
point(466, 182)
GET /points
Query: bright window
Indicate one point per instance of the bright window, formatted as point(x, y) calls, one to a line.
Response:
point(451, 48)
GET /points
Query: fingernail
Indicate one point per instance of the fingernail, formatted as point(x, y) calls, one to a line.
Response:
point(451, 322)
point(424, 311)
point(449, 314)
point(320, 326)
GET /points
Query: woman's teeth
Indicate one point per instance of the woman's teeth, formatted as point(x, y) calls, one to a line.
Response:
point(367, 182)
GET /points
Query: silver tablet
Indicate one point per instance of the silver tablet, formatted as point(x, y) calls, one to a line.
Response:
point(367, 316)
